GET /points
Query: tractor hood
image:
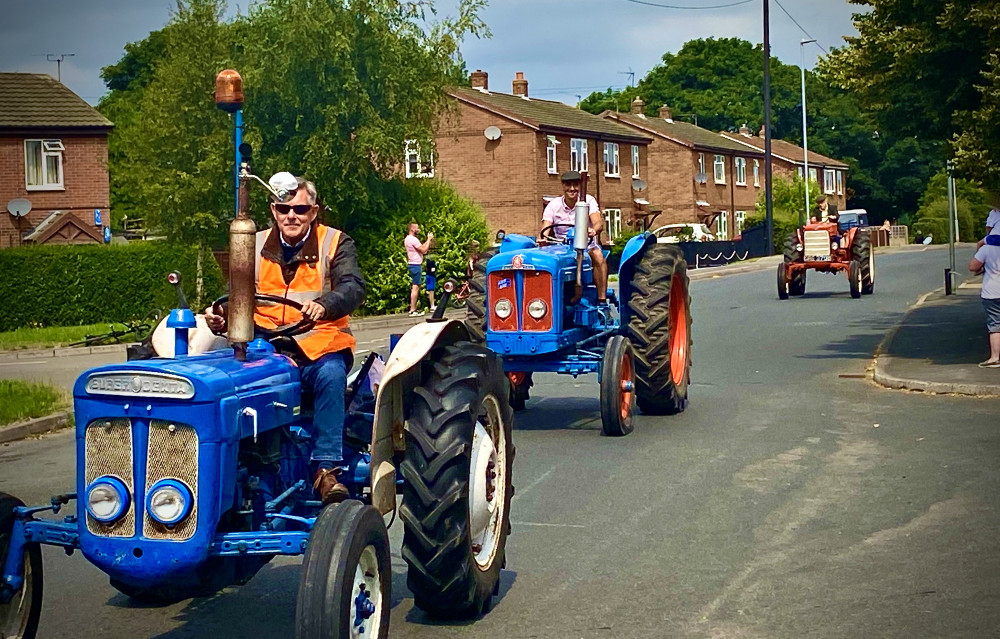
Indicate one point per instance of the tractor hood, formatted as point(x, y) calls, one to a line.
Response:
point(546, 258)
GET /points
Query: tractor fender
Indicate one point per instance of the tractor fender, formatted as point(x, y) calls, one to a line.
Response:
point(632, 252)
point(402, 374)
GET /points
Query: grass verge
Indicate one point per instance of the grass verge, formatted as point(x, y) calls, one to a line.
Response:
point(20, 400)
point(24, 338)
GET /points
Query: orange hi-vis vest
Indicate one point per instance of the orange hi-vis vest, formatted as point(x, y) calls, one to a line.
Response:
point(312, 279)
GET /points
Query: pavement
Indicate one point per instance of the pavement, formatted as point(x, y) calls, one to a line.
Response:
point(935, 348)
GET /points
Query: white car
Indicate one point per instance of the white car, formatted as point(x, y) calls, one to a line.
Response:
point(672, 233)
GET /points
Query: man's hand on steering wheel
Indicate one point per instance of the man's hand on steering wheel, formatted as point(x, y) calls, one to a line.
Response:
point(311, 312)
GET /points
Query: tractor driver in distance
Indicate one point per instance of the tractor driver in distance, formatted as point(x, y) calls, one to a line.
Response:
point(317, 266)
point(826, 212)
point(560, 211)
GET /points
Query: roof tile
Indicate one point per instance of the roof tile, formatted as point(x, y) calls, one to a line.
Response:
point(682, 132)
point(785, 149)
point(30, 100)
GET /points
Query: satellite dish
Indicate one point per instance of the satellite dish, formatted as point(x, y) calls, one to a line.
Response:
point(19, 207)
point(492, 133)
point(638, 184)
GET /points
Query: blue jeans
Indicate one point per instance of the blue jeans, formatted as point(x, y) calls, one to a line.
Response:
point(327, 379)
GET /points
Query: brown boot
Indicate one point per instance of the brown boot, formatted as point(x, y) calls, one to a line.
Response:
point(328, 487)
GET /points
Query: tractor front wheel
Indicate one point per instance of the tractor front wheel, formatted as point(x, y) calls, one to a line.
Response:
point(659, 328)
point(861, 251)
point(457, 482)
point(19, 616)
point(854, 278)
point(792, 253)
point(782, 281)
point(617, 387)
point(345, 589)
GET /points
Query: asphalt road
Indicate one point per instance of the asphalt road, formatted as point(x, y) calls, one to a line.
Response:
point(792, 499)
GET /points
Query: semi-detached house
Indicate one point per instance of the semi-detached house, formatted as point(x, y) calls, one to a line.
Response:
point(506, 151)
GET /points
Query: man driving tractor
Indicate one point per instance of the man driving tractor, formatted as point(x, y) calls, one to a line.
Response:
point(317, 266)
point(560, 211)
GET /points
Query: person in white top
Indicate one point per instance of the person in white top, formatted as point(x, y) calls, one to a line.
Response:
point(415, 251)
point(561, 211)
point(987, 261)
point(992, 220)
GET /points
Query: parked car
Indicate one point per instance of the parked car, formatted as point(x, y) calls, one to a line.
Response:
point(674, 233)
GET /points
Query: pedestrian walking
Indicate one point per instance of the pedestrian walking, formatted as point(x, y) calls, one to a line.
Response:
point(986, 261)
point(415, 251)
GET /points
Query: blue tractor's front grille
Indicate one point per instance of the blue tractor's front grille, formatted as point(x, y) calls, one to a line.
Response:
point(108, 451)
point(172, 453)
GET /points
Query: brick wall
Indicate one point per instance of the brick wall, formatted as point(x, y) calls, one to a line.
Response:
point(85, 182)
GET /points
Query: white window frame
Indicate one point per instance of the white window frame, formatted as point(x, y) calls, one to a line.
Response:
point(840, 182)
point(741, 217)
point(701, 164)
point(829, 181)
point(578, 154)
point(723, 225)
point(46, 149)
point(719, 165)
point(613, 223)
point(741, 171)
point(635, 160)
point(801, 172)
point(550, 154)
point(413, 157)
point(756, 172)
point(611, 160)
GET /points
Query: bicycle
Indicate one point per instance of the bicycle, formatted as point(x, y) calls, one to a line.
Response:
point(138, 327)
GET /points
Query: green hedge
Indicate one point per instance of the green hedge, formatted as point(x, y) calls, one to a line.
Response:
point(72, 285)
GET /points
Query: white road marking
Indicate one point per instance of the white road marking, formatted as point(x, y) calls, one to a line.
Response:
point(521, 492)
point(535, 523)
point(22, 362)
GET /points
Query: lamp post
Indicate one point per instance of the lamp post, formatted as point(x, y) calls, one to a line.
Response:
point(768, 201)
point(805, 142)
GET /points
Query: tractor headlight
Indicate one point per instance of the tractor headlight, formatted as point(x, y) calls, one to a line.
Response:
point(798, 248)
point(169, 501)
point(107, 499)
point(503, 308)
point(834, 245)
point(537, 309)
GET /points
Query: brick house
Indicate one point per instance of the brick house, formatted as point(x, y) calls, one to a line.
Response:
point(787, 159)
point(54, 153)
point(696, 175)
point(506, 151)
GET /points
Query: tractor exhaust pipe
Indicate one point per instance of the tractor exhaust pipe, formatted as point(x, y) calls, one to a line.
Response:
point(242, 243)
point(581, 236)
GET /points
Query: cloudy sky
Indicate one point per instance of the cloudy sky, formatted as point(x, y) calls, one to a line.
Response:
point(566, 48)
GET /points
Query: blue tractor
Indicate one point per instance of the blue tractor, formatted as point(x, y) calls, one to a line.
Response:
point(192, 473)
point(535, 304)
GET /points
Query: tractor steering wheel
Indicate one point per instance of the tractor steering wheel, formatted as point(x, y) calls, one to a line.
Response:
point(548, 233)
point(302, 326)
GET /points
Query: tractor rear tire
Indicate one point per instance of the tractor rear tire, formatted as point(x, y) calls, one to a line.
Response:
point(19, 617)
point(457, 487)
point(862, 253)
point(797, 284)
point(475, 304)
point(783, 281)
point(348, 554)
point(659, 328)
point(617, 387)
point(854, 278)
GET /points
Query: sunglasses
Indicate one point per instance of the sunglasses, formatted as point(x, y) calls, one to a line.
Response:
point(299, 209)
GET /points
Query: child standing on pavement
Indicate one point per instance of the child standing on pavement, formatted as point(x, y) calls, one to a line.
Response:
point(430, 269)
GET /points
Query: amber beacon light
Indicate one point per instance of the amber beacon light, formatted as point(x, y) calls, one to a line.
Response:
point(229, 90)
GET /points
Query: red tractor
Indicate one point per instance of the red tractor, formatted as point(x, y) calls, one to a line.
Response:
point(828, 247)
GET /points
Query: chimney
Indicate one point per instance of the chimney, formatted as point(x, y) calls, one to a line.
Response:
point(745, 130)
point(480, 79)
point(666, 114)
point(637, 106)
point(761, 134)
point(520, 85)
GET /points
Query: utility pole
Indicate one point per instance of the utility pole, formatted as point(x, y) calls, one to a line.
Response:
point(768, 203)
point(805, 143)
point(949, 273)
point(51, 57)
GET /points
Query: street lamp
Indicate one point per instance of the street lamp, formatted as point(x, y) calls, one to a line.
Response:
point(805, 143)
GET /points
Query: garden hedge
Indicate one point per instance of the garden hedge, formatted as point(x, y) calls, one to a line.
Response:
point(74, 285)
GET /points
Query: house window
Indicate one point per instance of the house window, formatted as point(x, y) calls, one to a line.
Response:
point(613, 223)
point(43, 167)
point(701, 163)
point(813, 175)
point(829, 181)
point(800, 172)
point(741, 171)
point(723, 224)
point(740, 217)
point(840, 182)
point(635, 160)
point(417, 166)
point(550, 154)
point(578, 155)
point(720, 169)
point(611, 159)
point(756, 172)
